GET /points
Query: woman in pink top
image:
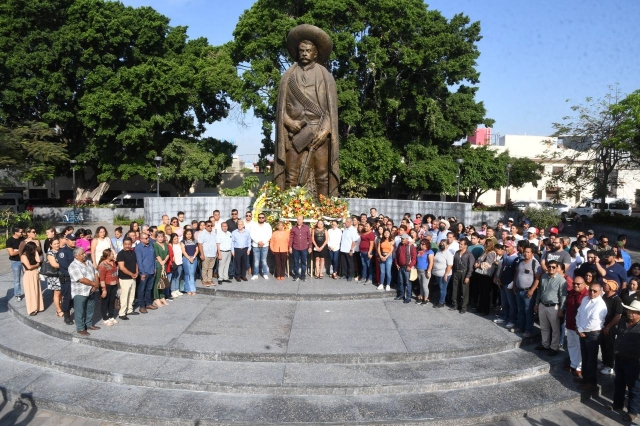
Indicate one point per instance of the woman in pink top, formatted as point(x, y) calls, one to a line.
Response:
point(81, 241)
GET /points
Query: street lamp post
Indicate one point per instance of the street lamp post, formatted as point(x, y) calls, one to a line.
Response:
point(158, 161)
point(459, 161)
point(73, 171)
point(506, 201)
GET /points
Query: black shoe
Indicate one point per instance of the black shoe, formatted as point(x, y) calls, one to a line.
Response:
point(398, 298)
point(453, 308)
point(463, 311)
point(133, 313)
point(407, 301)
point(124, 318)
point(541, 348)
point(552, 352)
point(68, 321)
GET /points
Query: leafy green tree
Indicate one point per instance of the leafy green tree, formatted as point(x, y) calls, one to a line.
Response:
point(186, 162)
point(405, 74)
point(601, 138)
point(365, 163)
point(249, 183)
point(117, 83)
point(483, 170)
point(424, 168)
point(32, 150)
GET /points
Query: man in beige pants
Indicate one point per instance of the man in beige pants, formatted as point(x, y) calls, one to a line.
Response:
point(550, 301)
point(127, 274)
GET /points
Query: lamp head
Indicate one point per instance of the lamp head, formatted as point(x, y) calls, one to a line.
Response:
point(158, 160)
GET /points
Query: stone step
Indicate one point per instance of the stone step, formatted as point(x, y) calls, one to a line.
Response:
point(53, 390)
point(204, 337)
point(310, 290)
point(275, 378)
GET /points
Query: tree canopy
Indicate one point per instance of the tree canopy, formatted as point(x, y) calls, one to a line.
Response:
point(405, 77)
point(118, 84)
point(603, 135)
point(483, 169)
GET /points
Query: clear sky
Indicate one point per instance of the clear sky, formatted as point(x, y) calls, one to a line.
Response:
point(533, 56)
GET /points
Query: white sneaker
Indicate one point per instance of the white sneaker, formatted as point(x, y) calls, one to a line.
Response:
point(607, 371)
point(113, 320)
point(265, 276)
point(175, 294)
point(356, 279)
point(380, 287)
point(498, 320)
point(253, 278)
point(388, 288)
point(107, 322)
point(510, 325)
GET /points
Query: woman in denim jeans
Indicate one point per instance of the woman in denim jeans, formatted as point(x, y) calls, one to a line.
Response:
point(424, 265)
point(189, 261)
point(385, 254)
point(442, 266)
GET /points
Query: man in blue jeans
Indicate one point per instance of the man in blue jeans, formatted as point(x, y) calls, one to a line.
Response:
point(13, 244)
point(147, 269)
point(300, 245)
point(509, 312)
point(525, 284)
point(405, 259)
point(260, 236)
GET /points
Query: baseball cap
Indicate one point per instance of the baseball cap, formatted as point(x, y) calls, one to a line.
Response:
point(510, 219)
point(417, 221)
point(532, 230)
point(553, 230)
point(527, 221)
point(590, 232)
point(71, 237)
point(405, 236)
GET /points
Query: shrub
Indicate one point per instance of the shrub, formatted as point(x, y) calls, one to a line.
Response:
point(542, 218)
point(615, 219)
point(122, 220)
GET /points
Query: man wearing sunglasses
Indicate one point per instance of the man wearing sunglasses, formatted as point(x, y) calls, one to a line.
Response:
point(550, 300)
point(590, 321)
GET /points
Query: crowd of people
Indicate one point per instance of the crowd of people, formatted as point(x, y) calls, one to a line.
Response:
point(584, 291)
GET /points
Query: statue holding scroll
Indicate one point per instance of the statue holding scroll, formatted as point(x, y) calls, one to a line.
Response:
point(307, 116)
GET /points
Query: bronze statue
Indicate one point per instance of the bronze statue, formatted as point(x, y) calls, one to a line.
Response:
point(307, 116)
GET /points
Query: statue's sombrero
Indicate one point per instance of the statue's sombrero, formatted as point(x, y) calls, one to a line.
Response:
point(315, 35)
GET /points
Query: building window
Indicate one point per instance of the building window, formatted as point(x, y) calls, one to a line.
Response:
point(540, 195)
point(499, 196)
point(556, 171)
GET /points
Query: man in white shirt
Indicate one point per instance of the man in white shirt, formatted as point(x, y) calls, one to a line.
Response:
point(224, 245)
point(347, 246)
point(335, 237)
point(452, 243)
point(260, 236)
point(589, 323)
point(216, 221)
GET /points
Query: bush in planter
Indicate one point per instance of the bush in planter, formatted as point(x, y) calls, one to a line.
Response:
point(542, 218)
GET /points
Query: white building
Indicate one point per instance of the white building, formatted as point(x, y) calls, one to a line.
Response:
point(541, 149)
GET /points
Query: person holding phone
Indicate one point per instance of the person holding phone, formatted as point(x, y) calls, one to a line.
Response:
point(525, 285)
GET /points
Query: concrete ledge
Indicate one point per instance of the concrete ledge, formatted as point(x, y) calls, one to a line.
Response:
point(125, 403)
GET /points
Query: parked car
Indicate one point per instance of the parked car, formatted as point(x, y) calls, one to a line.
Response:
point(535, 204)
point(134, 199)
point(562, 209)
point(12, 201)
point(588, 207)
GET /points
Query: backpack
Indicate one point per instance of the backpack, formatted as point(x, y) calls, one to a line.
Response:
point(509, 271)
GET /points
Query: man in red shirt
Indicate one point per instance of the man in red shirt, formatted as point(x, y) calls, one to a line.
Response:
point(405, 259)
point(574, 299)
point(300, 245)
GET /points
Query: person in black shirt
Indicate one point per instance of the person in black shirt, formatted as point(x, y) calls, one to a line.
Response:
point(589, 265)
point(64, 257)
point(13, 246)
point(628, 363)
point(51, 235)
point(127, 274)
point(614, 314)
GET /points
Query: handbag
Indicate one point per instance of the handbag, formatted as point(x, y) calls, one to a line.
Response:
point(413, 275)
point(163, 282)
point(47, 269)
